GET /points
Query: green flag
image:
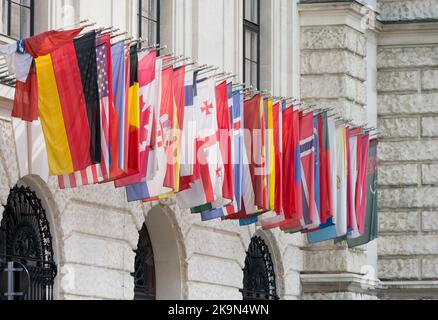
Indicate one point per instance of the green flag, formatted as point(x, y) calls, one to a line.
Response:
point(371, 219)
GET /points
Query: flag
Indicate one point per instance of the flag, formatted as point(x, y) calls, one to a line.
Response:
point(105, 83)
point(325, 168)
point(117, 112)
point(307, 152)
point(133, 127)
point(153, 189)
point(340, 218)
point(327, 229)
point(98, 172)
point(47, 42)
point(254, 189)
point(353, 231)
point(361, 186)
point(370, 227)
point(292, 171)
point(178, 86)
point(224, 100)
point(26, 97)
point(277, 169)
point(270, 154)
point(63, 112)
point(143, 97)
point(85, 48)
point(189, 128)
point(199, 189)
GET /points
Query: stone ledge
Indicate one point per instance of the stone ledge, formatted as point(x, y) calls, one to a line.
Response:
point(349, 13)
point(342, 282)
point(405, 34)
point(407, 290)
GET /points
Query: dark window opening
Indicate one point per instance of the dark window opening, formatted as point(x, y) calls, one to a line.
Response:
point(259, 275)
point(144, 274)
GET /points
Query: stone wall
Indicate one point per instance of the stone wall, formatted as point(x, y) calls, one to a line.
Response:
point(408, 154)
point(402, 10)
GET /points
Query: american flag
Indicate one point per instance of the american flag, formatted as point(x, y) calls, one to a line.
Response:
point(102, 72)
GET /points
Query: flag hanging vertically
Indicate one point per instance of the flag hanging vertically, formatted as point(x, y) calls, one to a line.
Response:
point(117, 112)
point(307, 152)
point(189, 133)
point(63, 112)
point(85, 48)
point(353, 231)
point(198, 189)
point(340, 218)
point(361, 186)
point(370, 227)
point(293, 173)
point(143, 81)
point(26, 97)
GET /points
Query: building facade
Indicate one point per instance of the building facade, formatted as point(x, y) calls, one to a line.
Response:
point(375, 62)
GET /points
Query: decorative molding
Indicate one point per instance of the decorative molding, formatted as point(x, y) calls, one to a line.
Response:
point(418, 290)
point(405, 34)
point(350, 13)
point(339, 282)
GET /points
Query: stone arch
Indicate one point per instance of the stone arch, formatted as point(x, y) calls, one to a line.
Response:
point(41, 189)
point(169, 253)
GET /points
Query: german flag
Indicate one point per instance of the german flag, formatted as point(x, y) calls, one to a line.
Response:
point(63, 111)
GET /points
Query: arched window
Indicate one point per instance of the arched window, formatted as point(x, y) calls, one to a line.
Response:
point(149, 21)
point(18, 18)
point(144, 274)
point(251, 42)
point(25, 240)
point(258, 274)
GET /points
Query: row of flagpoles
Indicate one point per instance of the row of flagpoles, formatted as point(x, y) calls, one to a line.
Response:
point(164, 126)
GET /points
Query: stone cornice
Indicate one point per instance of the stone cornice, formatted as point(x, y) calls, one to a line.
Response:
point(351, 13)
point(408, 33)
point(342, 282)
point(409, 290)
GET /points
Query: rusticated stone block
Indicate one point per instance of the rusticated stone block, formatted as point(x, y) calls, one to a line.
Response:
point(399, 269)
point(430, 268)
point(390, 221)
point(398, 127)
point(397, 81)
point(407, 103)
point(396, 175)
point(326, 61)
point(408, 245)
point(408, 10)
point(429, 173)
point(407, 57)
point(429, 80)
point(424, 197)
point(429, 221)
point(429, 127)
point(408, 150)
point(333, 37)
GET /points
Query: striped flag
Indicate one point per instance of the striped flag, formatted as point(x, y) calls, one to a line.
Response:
point(99, 172)
point(63, 112)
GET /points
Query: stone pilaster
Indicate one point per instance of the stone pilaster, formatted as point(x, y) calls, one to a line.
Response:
point(408, 114)
point(334, 47)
